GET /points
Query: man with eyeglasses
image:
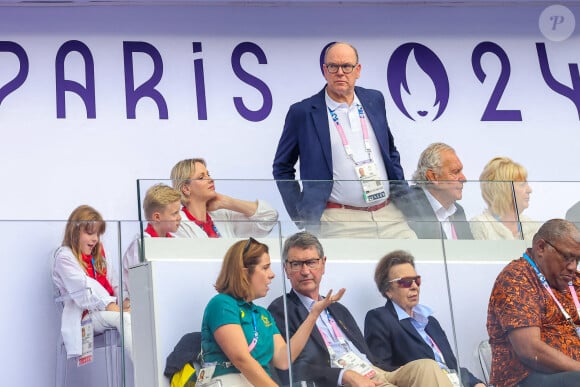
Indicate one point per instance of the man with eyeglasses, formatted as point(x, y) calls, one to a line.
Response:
point(533, 316)
point(336, 353)
point(336, 134)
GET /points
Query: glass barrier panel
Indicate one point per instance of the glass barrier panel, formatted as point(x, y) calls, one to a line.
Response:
point(351, 263)
point(457, 260)
point(171, 289)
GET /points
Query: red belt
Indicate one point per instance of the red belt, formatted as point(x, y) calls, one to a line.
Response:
point(347, 207)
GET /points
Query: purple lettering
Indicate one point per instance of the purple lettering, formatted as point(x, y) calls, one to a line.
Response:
point(492, 113)
point(19, 79)
point(573, 93)
point(199, 83)
point(263, 112)
point(87, 93)
point(147, 89)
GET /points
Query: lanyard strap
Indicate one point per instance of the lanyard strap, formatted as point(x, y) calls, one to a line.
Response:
point(94, 269)
point(549, 289)
point(365, 132)
point(337, 333)
point(252, 345)
point(437, 351)
point(575, 298)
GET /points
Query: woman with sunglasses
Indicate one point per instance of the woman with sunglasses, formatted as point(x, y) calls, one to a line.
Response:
point(404, 330)
point(239, 339)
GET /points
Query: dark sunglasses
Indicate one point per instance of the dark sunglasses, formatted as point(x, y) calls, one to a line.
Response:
point(407, 282)
point(248, 244)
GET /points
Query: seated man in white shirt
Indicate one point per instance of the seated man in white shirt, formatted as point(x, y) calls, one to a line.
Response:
point(431, 206)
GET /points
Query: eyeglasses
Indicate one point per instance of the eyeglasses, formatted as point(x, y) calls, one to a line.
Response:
point(568, 258)
point(310, 263)
point(347, 68)
point(248, 244)
point(407, 282)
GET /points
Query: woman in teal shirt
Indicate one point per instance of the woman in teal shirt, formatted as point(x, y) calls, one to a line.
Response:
point(239, 338)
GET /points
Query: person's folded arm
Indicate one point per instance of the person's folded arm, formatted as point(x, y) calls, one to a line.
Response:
point(248, 208)
point(536, 354)
point(232, 342)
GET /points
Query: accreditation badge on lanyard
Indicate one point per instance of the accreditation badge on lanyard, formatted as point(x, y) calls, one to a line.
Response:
point(87, 338)
point(366, 171)
point(205, 375)
point(351, 361)
point(453, 377)
point(373, 189)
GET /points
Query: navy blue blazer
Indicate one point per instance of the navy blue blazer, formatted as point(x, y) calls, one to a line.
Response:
point(313, 363)
point(306, 136)
point(422, 219)
point(395, 342)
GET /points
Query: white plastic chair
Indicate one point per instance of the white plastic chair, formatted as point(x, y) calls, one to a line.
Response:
point(484, 354)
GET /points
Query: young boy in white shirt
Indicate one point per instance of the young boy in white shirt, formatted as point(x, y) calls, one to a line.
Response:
point(162, 206)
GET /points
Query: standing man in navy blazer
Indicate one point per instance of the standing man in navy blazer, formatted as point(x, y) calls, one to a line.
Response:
point(431, 206)
point(347, 157)
point(336, 353)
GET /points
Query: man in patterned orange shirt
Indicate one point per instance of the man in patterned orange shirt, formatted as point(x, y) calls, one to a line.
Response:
point(533, 316)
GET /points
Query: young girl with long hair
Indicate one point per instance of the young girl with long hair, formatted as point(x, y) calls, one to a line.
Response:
point(83, 275)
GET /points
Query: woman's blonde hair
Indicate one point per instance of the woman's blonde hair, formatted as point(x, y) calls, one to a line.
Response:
point(85, 218)
point(496, 182)
point(181, 175)
point(233, 279)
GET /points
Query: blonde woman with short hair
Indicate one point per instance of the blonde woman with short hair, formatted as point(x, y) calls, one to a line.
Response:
point(506, 192)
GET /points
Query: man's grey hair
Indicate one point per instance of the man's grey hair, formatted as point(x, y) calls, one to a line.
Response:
point(302, 240)
point(558, 230)
point(430, 159)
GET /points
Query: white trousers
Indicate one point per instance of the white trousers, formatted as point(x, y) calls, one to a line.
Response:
point(103, 320)
point(233, 380)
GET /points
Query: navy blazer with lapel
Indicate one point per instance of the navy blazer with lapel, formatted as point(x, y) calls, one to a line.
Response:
point(306, 136)
point(422, 219)
point(313, 364)
point(395, 342)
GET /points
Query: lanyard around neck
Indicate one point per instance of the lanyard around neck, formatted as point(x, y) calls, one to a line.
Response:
point(437, 351)
point(337, 334)
point(546, 286)
point(365, 132)
point(252, 345)
point(94, 268)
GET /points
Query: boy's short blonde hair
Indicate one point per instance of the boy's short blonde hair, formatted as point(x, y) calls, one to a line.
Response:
point(158, 197)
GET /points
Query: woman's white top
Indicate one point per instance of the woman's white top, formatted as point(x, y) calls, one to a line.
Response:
point(486, 227)
point(231, 224)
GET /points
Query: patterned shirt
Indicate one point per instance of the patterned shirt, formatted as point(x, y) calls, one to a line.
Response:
point(519, 300)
